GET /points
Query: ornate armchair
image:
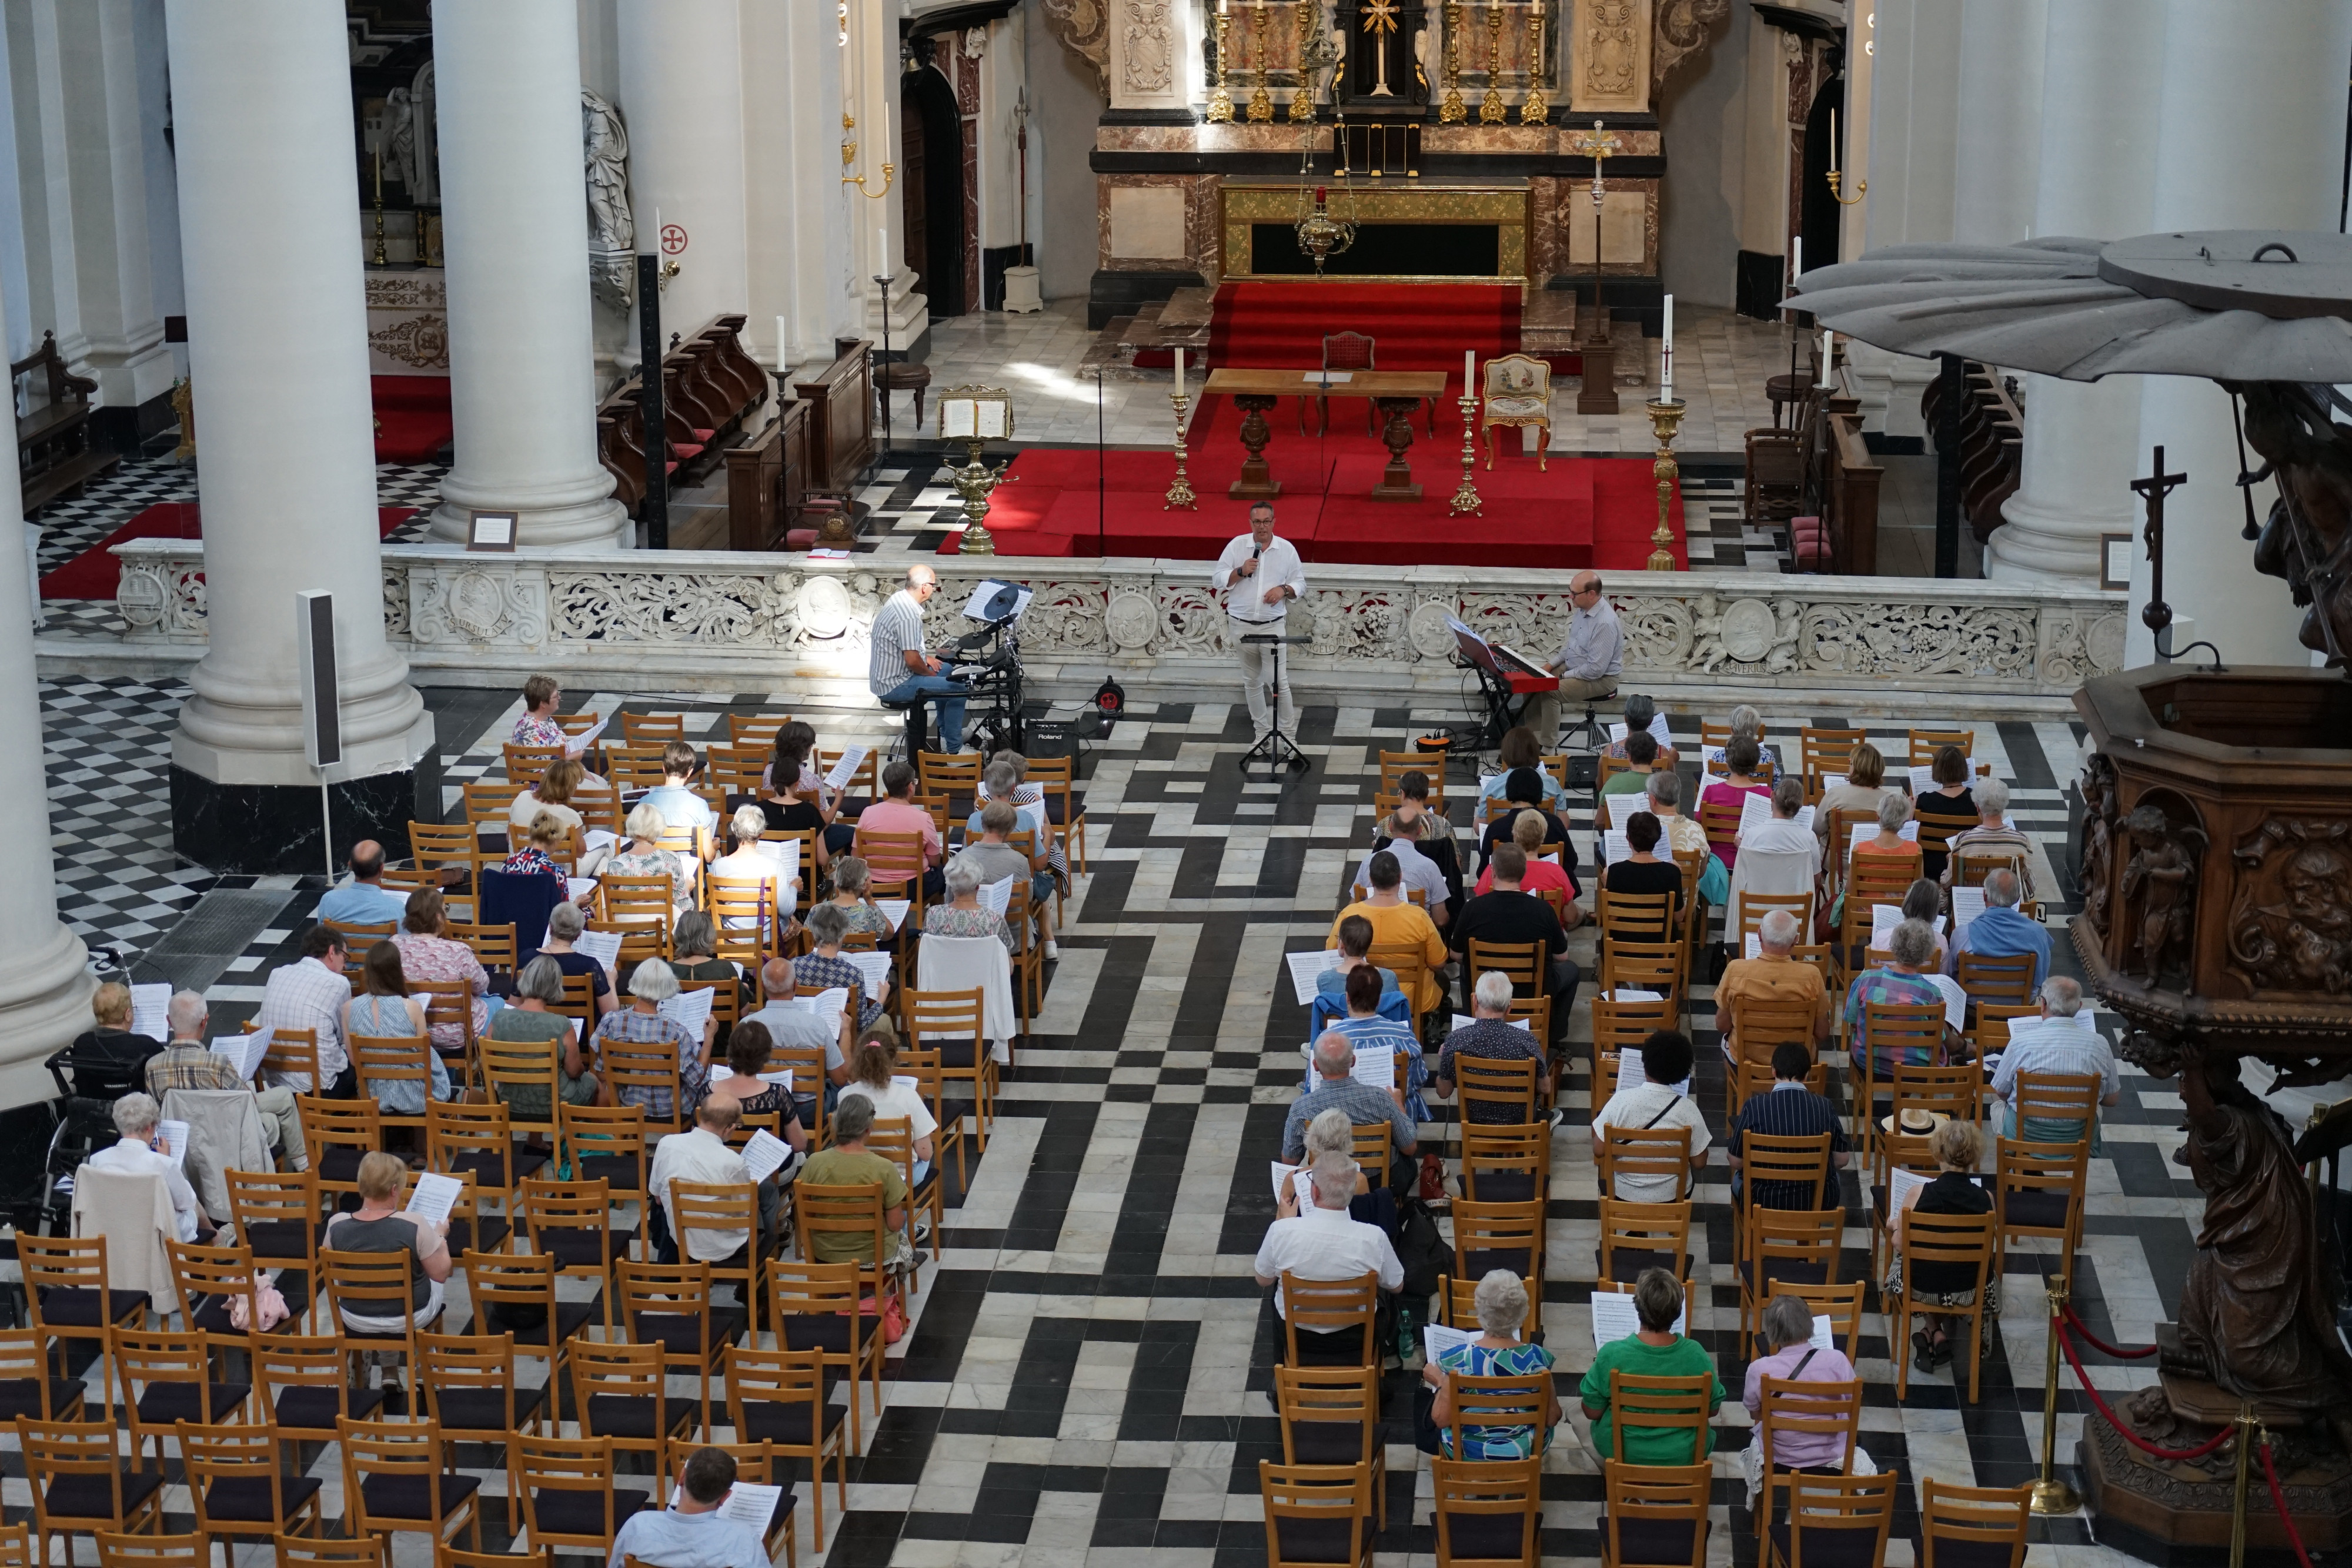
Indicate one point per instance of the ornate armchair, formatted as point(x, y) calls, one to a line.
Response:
point(1517, 392)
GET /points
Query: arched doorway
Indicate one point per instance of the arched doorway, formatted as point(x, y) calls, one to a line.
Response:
point(931, 129)
point(1820, 217)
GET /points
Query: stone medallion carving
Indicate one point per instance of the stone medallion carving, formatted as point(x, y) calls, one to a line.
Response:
point(823, 607)
point(476, 605)
point(2102, 642)
point(1426, 629)
point(1128, 621)
point(1747, 630)
point(140, 597)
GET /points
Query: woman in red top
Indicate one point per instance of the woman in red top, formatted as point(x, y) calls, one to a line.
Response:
point(1527, 832)
point(1740, 760)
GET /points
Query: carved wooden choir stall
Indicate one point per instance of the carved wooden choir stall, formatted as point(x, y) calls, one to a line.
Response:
point(709, 388)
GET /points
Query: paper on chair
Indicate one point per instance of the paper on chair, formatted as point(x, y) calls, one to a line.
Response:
point(175, 1137)
point(1824, 1332)
point(1883, 919)
point(435, 1197)
point(604, 947)
point(599, 838)
point(873, 968)
point(574, 745)
point(749, 1503)
point(1658, 731)
point(1436, 1339)
point(690, 1008)
point(151, 1010)
point(997, 895)
point(1306, 968)
point(1631, 1076)
point(1967, 903)
point(765, 1153)
point(1613, 1317)
point(244, 1051)
point(1460, 1021)
point(1629, 994)
point(576, 888)
point(893, 910)
point(852, 759)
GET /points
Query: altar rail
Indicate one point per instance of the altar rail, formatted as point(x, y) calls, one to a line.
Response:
point(726, 620)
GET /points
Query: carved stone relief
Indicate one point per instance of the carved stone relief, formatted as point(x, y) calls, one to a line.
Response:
point(1608, 41)
point(1681, 32)
point(1148, 62)
point(2291, 910)
point(1081, 27)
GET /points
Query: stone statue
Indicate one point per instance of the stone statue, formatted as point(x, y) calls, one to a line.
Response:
point(612, 230)
point(2161, 880)
point(408, 144)
point(2094, 862)
point(2307, 540)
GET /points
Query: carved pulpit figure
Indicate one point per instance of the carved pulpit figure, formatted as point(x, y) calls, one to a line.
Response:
point(1384, 39)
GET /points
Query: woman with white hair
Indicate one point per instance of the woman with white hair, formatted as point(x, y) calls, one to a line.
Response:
point(1788, 1328)
point(748, 860)
point(1501, 1304)
point(140, 1152)
point(853, 894)
point(641, 1023)
point(1746, 724)
point(639, 853)
point(565, 921)
point(963, 915)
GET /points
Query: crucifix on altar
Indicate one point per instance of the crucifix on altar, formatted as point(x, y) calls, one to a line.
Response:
point(1383, 67)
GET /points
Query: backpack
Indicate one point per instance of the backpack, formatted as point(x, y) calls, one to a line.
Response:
point(1419, 1248)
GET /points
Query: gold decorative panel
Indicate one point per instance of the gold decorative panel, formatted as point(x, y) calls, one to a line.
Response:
point(1505, 207)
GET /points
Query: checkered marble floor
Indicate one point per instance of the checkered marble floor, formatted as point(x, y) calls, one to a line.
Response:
point(1088, 1372)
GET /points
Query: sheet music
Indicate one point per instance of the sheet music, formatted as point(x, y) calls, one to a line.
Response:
point(244, 1051)
point(1306, 968)
point(1901, 1184)
point(1833, 781)
point(173, 1136)
point(1282, 1174)
point(1883, 919)
point(435, 1197)
point(1923, 781)
point(765, 1153)
point(1754, 948)
point(151, 1008)
point(1757, 810)
point(1824, 1332)
point(1631, 1076)
point(690, 1009)
point(829, 1004)
point(1613, 846)
point(1375, 1067)
point(1462, 1022)
point(598, 839)
point(1967, 903)
point(2086, 1021)
point(956, 417)
point(1956, 1001)
point(1658, 731)
point(1613, 1317)
point(1620, 808)
point(576, 888)
point(873, 968)
point(1628, 994)
point(893, 910)
point(604, 947)
point(997, 895)
point(1436, 1339)
point(851, 758)
point(750, 1503)
point(574, 746)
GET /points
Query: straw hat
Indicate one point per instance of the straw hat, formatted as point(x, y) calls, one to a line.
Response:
point(1917, 1123)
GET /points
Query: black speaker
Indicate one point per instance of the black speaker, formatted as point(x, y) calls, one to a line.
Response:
point(314, 646)
point(1050, 738)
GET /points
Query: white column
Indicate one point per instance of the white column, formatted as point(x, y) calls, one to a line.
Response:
point(2098, 179)
point(1998, 141)
point(682, 98)
point(871, 72)
point(1853, 125)
point(277, 349)
point(1914, 106)
point(522, 381)
point(2250, 136)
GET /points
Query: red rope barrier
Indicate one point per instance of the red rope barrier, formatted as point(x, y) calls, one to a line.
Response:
point(2128, 1436)
point(2278, 1501)
point(2102, 1347)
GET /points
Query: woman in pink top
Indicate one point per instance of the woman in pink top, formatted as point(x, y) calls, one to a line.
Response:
point(897, 813)
point(427, 952)
point(1527, 832)
point(1789, 1329)
point(1740, 760)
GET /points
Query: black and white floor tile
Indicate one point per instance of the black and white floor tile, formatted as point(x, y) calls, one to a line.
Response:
point(1088, 1371)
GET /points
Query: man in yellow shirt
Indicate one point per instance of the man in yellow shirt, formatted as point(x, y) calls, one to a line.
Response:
point(1396, 923)
point(1774, 978)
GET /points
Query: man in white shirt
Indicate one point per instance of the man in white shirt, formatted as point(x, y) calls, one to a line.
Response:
point(2060, 1043)
point(1257, 576)
point(1322, 1242)
point(1656, 1102)
point(798, 1029)
point(898, 670)
point(1418, 871)
point(1590, 657)
point(310, 993)
point(135, 1116)
point(701, 1155)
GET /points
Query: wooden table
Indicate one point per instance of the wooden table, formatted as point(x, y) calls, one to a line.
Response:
point(1395, 393)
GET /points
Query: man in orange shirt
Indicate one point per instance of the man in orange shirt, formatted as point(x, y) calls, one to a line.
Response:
point(1774, 978)
point(1396, 923)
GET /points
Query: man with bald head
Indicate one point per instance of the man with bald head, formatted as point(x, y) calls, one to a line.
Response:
point(1591, 658)
point(2002, 931)
point(1334, 1059)
point(362, 901)
point(701, 1155)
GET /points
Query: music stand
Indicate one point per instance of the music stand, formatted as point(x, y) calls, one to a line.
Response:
point(1275, 751)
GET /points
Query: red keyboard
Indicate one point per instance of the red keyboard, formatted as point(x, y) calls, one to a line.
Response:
point(1528, 685)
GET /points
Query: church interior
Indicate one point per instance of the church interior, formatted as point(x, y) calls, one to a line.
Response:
point(1802, 544)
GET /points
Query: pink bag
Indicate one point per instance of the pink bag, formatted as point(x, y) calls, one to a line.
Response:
point(273, 1309)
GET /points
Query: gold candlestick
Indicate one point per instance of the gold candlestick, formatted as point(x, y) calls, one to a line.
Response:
point(1302, 102)
point(1465, 499)
point(1451, 110)
point(1492, 111)
point(1220, 97)
point(1664, 417)
point(382, 259)
point(1261, 102)
point(1537, 109)
point(1179, 494)
point(973, 482)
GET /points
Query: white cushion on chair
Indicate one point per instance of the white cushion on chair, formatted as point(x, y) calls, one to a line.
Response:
point(1511, 407)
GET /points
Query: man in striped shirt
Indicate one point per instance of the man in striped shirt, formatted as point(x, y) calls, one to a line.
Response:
point(900, 671)
point(1790, 1110)
point(2061, 1042)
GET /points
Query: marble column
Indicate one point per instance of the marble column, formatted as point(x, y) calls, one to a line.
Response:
point(1915, 109)
point(1998, 143)
point(522, 381)
point(277, 349)
point(682, 96)
point(2098, 122)
point(2251, 135)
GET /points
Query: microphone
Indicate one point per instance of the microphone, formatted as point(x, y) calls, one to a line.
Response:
point(1256, 552)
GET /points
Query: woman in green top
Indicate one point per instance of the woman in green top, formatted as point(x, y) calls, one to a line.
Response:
point(539, 987)
point(1654, 1351)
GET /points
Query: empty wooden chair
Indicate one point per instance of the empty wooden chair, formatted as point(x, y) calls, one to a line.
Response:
point(1654, 1516)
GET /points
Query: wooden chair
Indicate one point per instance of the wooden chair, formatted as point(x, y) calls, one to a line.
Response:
point(724, 1210)
point(893, 1137)
point(292, 1054)
point(755, 728)
point(1963, 1238)
point(627, 1069)
point(1794, 1408)
point(1500, 1164)
point(30, 1384)
point(1487, 1510)
point(1646, 1152)
point(339, 1133)
point(81, 1486)
point(1332, 1311)
point(393, 1481)
point(1823, 748)
point(1846, 1518)
point(525, 765)
point(1841, 1305)
point(525, 1283)
point(2050, 1105)
point(1306, 1509)
point(1788, 1163)
point(1924, 743)
point(1895, 1151)
point(1331, 1415)
point(1522, 1399)
point(370, 1285)
point(1974, 1527)
point(849, 1209)
point(1638, 1236)
point(1509, 1085)
point(208, 1278)
point(383, 1062)
point(1654, 1516)
point(140, 1551)
point(1057, 778)
point(669, 1304)
point(569, 1496)
point(1410, 962)
point(606, 1143)
point(1793, 1244)
point(368, 1551)
point(238, 1484)
point(1757, 1026)
point(468, 1388)
point(957, 1022)
point(819, 1307)
point(1891, 1030)
point(68, 1297)
point(304, 1387)
point(1659, 968)
point(572, 1223)
point(167, 1378)
point(620, 1393)
point(1499, 1236)
point(633, 765)
point(1658, 1404)
point(736, 770)
point(2038, 1191)
point(777, 1397)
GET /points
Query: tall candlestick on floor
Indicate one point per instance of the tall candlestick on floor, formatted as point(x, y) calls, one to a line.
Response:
point(1666, 354)
point(1179, 494)
point(1666, 415)
point(1466, 497)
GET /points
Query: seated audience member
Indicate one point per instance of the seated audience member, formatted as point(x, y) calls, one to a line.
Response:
point(2002, 931)
point(824, 969)
point(1950, 797)
point(1902, 981)
point(2058, 1043)
point(1924, 902)
point(1416, 871)
point(428, 953)
point(701, 1155)
point(189, 1062)
point(849, 1163)
point(791, 794)
point(1507, 913)
point(1355, 941)
point(1330, 1132)
point(1006, 778)
point(1655, 1350)
point(381, 1223)
point(674, 797)
point(691, 1532)
point(1994, 838)
point(1788, 1328)
point(693, 958)
point(1322, 1243)
point(749, 858)
point(1542, 875)
point(1521, 750)
point(564, 923)
point(1779, 834)
point(139, 1152)
point(874, 1078)
point(310, 993)
point(792, 1028)
point(362, 901)
point(1935, 1282)
point(1790, 1110)
point(1772, 977)
point(1685, 836)
point(551, 793)
point(641, 1023)
point(1864, 788)
point(640, 853)
point(1491, 1036)
point(1396, 923)
point(1414, 818)
point(963, 915)
point(1523, 792)
point(1337, 1089)
point(1655, 1101)
point(1894, 813)
point(853, 894)
point(1746, 724)
point(1739, 782)
point(993, 858)
point(539, 989)
point(542, 840)
point(1371, 1031)
point(1639, 711)
point(109, 1059)
point(1501, 1305)
point(1642, 751)
point(384, 1008)
point(539, 726)
point(749, 1052)
point(1643, 872)
point(897, 813)
point(793, 762)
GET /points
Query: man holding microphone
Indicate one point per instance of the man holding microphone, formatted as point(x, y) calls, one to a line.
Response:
point(1258, 576)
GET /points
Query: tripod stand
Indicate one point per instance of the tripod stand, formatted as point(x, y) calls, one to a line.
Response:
point(1275, 751)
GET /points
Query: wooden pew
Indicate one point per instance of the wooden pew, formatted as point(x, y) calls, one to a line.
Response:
point(841, 417)
point(53, 449)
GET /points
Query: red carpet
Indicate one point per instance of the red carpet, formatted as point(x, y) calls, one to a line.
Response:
point(1581, 512)
point(94, 573)
point(412, 417)
point(1415, 326)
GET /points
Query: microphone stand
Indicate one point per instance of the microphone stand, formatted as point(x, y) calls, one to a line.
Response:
point(1275, 751)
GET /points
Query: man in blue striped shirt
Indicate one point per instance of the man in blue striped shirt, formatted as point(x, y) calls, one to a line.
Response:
point(1790, 1110)
point(2063, 1041)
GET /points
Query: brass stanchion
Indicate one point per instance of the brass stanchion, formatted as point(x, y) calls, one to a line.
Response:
point(2245, 1424)
point(2051, 1495)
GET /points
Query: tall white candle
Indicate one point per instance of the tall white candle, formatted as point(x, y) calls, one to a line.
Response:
point(1827, 347)
point(1179, 372)
point(882, 252)
point(1666, 354)
point(1796, 255)
point(783, 345)
point(656, 231)
point(1469, 372)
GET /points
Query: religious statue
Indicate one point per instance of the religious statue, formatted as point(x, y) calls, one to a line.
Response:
point(2307, 539)
point(2291, 930)
point(611, 229)
point(408, 138)
point(2160, 881)
point(2094, 862)
point(1385, 53)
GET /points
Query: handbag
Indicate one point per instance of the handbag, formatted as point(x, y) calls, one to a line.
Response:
point(893, 1314)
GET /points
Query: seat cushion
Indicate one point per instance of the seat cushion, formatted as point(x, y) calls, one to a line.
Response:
point(1327, 1442)
point(485, 1409)
point(489, 1170)
point(279, 1238)
point(1505, 1186)
point(776, 1421)
point(22, 1396)
point(1832, 1548)
point(1513, 408)
point(92, 1496)
point(827, 1332)
point(576, 1247)
point(632, 1415)
point(476, 1235)
point(618, 1171)
point(1957, 1551)
point(164, 1403)
point(1313, 1540)
point(340, 1164)
point(1344, 1348)
point(314, 1409)
point(245, 1499)
point(2039, 1210)
point(1788, 1270)
point(411, 1497)
point(1650, 1541)
point(568, 1512)
point(569, 1318)
point(1627, 1262)
point(683, 1336)
point(1483, 1535)
point(74, 1307)
point(1478, 1264)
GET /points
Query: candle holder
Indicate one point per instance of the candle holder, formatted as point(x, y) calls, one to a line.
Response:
point(1536, 108)
point(1492, 110)
point(1220, 97)
point(974, 481)
point(1465, 499)
point(1261, 102)
point(381, 260)
point(1666, 417)
point(1453, 110)
point(1179, 494)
